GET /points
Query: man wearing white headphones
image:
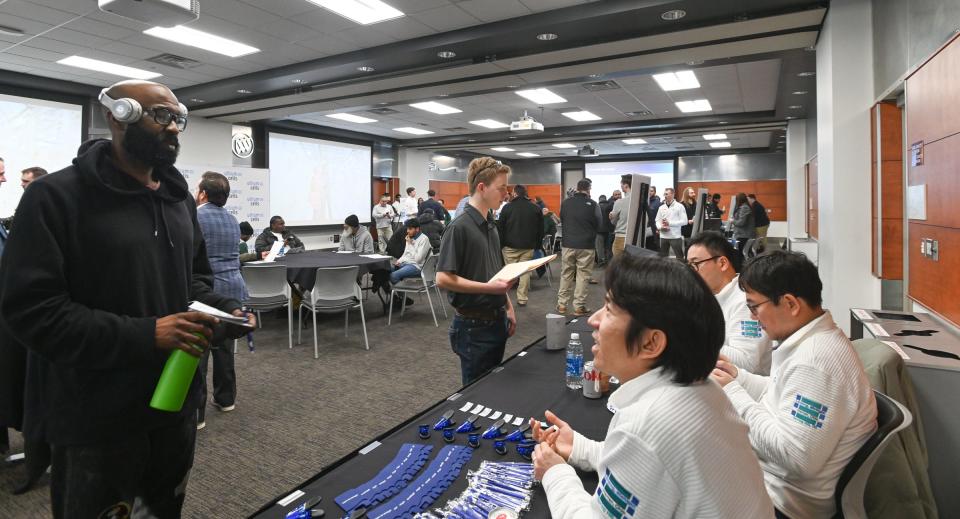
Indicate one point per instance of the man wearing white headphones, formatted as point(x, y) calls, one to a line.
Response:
point(95, 284)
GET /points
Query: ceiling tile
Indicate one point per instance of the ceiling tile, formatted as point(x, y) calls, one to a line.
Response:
point(324, 21)
point(364, 37)
point(446, 18)
point(547, 5)
point(36, 12)
point(289, 31)
point(329, 45)
point(416, 6)
point(77, 38)
point(73, 6)
point(285, 8)
point(101, 29)
point(493, 10)
point(238, 12)
point(404, 28)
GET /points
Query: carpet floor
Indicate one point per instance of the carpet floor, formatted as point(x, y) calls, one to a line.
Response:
point(295, 414)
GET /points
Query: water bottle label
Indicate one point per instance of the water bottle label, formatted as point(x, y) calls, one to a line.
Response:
point(574, 365)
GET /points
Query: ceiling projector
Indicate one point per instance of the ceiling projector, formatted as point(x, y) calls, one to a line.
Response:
point(159, 13)
point(588, 151)
point(526, 124)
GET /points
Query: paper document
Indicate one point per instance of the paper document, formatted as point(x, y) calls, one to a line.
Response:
point(375, 256)
point(863, 315)
point(896, 347)
point(876, 330)
point(515, 270)
point(346, 251)
point(197, 306)
point(274, 251)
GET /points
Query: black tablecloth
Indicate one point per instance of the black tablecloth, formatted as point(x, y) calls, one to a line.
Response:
point(527, 383)
point(302, 267)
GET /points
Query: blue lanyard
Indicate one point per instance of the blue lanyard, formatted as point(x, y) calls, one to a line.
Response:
point(422, 492)
point(391, 479)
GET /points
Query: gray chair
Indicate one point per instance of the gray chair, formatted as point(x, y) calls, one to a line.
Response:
point(335, 290)
point(748, 247)
point(423, 284)
point(892, 417)
point(268, 289)
point(547, 249)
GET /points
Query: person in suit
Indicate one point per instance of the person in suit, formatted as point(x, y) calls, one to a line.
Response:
point(222, 233)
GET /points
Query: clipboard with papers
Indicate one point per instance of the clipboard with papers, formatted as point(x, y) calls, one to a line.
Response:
point(514, 270)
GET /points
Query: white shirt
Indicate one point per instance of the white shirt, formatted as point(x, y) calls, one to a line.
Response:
point(278, 235)
point(746, 344)
point(808, 418)
point(409, 207)
point(398, 210)
point(676, 216)
point(382, 215)
point(671, 451)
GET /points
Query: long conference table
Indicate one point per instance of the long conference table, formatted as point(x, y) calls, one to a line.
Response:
point(524, 385)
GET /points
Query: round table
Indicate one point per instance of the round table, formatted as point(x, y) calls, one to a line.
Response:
point(302, 267)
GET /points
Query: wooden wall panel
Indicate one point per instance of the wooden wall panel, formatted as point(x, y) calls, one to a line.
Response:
point(934, 283)
point(451, 193)
point(933, 97)
point(771, 193)
point(813, 200)
point(886, 183)
point(941, 160)
point(381, 186)
point(552, 195)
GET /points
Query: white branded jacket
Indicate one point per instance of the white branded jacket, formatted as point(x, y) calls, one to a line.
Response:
point(676, 215)
point(808, 418)
point(746, 344)
point(670, 451)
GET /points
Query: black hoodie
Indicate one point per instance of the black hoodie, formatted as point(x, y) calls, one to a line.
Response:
point(96, 259)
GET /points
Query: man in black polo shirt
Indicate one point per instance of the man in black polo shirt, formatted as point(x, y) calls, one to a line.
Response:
point(469, 257)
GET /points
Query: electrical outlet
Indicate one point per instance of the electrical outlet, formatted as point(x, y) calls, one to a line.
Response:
point(935, 250)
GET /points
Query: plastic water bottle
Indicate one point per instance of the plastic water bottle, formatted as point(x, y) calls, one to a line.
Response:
point(574, 362)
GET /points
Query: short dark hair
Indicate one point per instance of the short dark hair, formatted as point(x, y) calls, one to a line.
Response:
point(753, 196)
point(412, 222)
point(717, 245)
point(411, 190)
point(584, 185)
point(716, 196)
point(778, 272)
point(520, 190)
point(216, 186)
point(666, 295)
point(627, 179)
point(273, 219)
point(431, 192)
point(246, 229)
point(35, 172)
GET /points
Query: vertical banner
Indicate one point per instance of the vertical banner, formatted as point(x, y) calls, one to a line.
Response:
point(249, 191)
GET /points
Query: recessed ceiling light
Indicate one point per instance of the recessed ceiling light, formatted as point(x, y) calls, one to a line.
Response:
point(365, 68)
point(673, 14)
point(790, 117)
point(437, 108)
point(694, 63)
point(297, 81)
point(698, 105)
point(795, 107)
point(244, 91)
point(414, 131)
point(799, 92)
point(811, 48)
point(720, 144)
point(715, 136)
point(564, 145)
point(635, 140)
point(363, 12)
point(582, 115)
point(527, 154)
point(108, 68)
point(501, 148)
point(682, 80)
point(446, 54)
point(490, 123)
point(547, 36)
point(197, 100)
point(202, 40)
point(806, 74)
point(722, 122)
point(541, 96)
point(352, 118)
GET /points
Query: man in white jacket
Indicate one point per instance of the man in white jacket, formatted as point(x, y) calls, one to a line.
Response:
point(816, 409)
point(675, 448)
point(718, 263)
point(671, 216)
point(383, 215)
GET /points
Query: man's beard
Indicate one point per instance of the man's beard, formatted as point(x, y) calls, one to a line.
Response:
point(150, 149)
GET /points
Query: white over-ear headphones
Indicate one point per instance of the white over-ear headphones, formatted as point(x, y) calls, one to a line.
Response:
point(125, 109)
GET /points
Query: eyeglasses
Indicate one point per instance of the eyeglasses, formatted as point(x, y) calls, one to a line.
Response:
point(164, 116)
point(695, 265)
point(753, 307)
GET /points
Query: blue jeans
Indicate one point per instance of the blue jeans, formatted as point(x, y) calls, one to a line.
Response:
point(479, 344)
point(404, 272)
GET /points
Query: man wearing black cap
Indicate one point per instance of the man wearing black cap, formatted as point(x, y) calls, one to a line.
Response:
point(246, 231)
point(355, 238)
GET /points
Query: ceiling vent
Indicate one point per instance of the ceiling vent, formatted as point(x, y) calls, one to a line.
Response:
point(383, 111)
point(638, 113)
point(172, 60)
point(455, 129)
point(598, 86)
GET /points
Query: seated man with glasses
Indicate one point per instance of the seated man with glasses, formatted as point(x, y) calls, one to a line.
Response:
point(718, 263)
point(816, 409)
point(674, 447)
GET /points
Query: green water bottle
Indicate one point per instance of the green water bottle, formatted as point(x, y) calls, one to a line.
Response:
point(175, 381)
